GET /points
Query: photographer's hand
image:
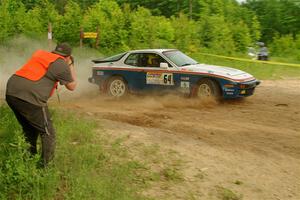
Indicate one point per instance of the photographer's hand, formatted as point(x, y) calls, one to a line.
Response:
point(72, 85)
point(72, 60)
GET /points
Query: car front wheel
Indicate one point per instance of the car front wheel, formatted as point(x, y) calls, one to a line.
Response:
point(206, 88)
point(117, 87)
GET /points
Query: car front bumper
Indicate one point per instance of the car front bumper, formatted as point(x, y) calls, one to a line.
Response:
point(237, 90)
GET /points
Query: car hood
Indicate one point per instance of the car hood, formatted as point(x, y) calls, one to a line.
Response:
point(227, 72)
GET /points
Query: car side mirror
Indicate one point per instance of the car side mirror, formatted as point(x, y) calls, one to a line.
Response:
point(164, 65)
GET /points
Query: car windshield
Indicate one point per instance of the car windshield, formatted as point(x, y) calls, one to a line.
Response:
point(179, 58)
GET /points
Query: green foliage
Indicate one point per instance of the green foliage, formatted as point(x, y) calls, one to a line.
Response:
point(166, 8)
point(48, 14)
point(255, 29)
point(32, 25)
point(216, 7)
point(216, 35)
point(9, 9)
point(108, 16)
point(16, 19)
point(241, 36)
point(141, 25)
point(68, 26)
point(185, 40)
point(286, 46)
point(276, 16)
point(220, 26)
point(29, 4)
point(146, 29)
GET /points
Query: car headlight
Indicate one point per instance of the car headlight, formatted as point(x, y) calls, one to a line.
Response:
point(242, 86)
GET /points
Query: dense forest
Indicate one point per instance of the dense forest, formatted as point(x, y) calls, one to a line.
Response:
point(220, 26)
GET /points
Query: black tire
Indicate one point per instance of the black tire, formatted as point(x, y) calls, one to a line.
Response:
point(117, 87)
point(206, 88)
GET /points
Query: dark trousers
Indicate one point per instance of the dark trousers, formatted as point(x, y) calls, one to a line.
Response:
point(35, 120)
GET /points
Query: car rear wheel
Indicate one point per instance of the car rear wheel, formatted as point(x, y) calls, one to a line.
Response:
point(117, 87)
point(206, 88)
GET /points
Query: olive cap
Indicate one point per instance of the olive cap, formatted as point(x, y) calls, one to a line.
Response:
point(63, 49)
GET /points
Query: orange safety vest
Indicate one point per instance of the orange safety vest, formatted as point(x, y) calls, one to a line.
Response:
point(38, 66)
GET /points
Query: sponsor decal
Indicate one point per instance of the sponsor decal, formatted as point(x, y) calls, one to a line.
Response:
point(156, 78)
point(185, 84)
point(100, 73)
point(229, 93)
point(228, 90)
point(185, 78)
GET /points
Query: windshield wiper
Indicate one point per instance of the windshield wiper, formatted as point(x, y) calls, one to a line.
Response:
point(186, 64)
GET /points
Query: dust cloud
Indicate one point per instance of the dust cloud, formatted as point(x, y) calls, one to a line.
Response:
point(136, 103)
point(16, 52)
point(13, 55)
point(82, 57)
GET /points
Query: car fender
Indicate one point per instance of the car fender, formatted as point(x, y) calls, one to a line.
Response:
point(195, 82)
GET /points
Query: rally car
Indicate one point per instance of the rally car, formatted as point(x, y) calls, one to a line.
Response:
point(169, 70)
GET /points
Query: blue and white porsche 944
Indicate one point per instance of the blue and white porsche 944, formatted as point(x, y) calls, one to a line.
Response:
point(169, 69)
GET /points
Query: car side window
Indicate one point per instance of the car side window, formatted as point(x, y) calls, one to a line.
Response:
point(132, 59)
point(152, 60)
point(145, 60)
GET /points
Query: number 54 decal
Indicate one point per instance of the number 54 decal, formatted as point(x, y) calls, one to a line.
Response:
point(156, 78)
point(167, 79)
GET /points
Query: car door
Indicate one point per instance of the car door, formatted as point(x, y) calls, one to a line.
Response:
point(147, 74)
point(135, 75)
point(157, 78)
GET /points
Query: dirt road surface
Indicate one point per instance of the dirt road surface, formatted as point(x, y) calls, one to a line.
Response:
point(248, 147)
point(243, 149)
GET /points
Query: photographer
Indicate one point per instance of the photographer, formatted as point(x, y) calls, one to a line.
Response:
point(29, 89)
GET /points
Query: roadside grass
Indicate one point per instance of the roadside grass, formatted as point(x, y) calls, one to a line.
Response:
point(19, 176)
point(85, 166)
point(88, 164)
point(259, 70)
point(227, 194)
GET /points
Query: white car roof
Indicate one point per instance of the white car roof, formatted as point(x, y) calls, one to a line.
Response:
point(151, 50)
